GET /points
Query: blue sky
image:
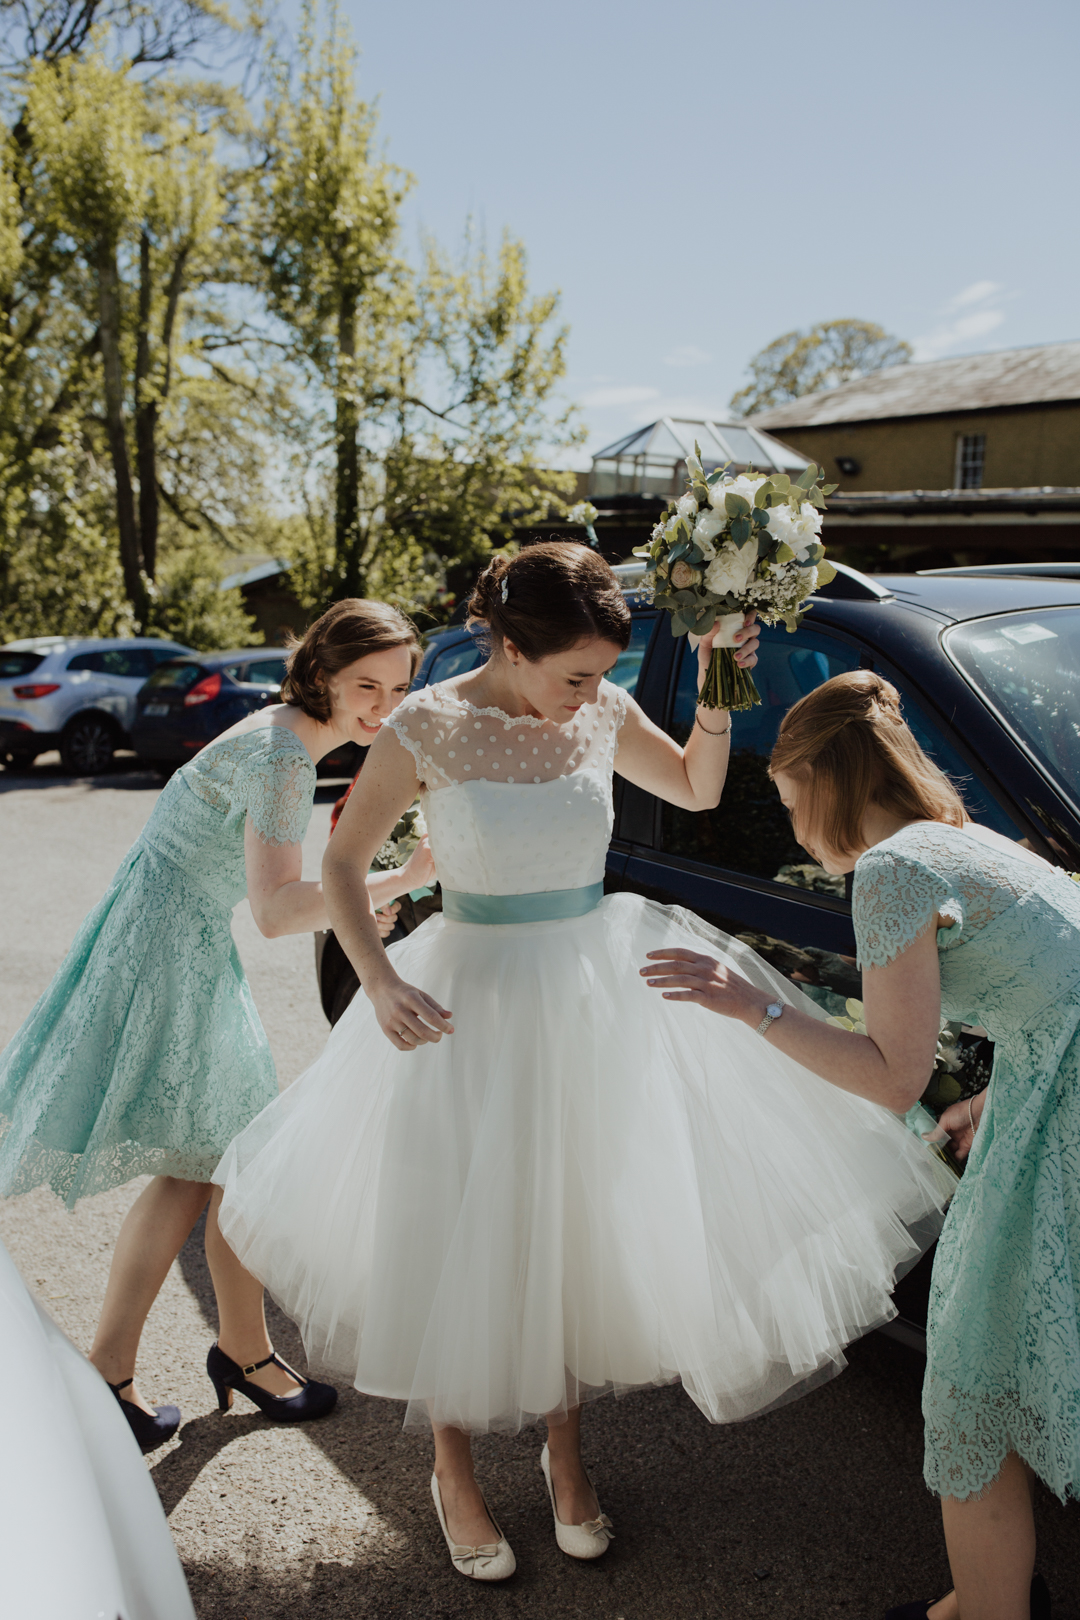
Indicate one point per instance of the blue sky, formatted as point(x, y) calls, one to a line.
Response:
point(699, 177)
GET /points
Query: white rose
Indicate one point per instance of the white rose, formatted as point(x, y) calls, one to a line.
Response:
point(694, 468)
point(706, 529)
point(731, 569)
point(799, 529)
point(745, 486)
point(686, 507)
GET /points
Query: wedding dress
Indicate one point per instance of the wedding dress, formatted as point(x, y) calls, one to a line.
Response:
point(585, 1188)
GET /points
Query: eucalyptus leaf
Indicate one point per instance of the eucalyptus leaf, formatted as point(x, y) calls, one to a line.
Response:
point(780, 482)
point(761, 517)
point(740, 528)
point(808, 478)
point(678, 628)
point(736, 506)
point(826, 572)
point(714, 477)
point(784, 553)
point(816, 498)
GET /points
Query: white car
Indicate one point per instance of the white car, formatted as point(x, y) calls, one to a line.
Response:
point(74, 694)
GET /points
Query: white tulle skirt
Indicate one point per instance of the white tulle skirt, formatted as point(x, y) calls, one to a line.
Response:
point(584, 1189)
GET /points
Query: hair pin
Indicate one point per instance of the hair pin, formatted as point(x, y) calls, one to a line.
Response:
point(505, 591)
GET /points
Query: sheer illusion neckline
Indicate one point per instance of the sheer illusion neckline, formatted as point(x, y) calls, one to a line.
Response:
point(501, 714)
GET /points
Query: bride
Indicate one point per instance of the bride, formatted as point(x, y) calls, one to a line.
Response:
point(545, 1187)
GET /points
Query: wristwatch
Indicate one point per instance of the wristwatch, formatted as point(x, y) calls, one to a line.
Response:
point(772, 1013)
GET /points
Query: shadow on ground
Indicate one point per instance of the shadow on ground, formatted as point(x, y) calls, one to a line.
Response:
point(816, 1509)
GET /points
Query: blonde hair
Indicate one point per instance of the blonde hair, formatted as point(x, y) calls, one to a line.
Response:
point(849, 739)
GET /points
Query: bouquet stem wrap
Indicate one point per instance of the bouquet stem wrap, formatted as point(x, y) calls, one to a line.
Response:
point(727, 685)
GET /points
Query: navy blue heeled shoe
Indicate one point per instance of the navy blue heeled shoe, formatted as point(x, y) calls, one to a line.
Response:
point(1040, 1604)
point(151, 1429)
point(312, 1399)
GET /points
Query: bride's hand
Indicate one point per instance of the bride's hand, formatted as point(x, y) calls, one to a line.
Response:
point(420, 866)
point(688, 976)
point(746, 653)
point(407, 1016)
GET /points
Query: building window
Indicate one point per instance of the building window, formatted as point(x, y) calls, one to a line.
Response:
point(970, 456)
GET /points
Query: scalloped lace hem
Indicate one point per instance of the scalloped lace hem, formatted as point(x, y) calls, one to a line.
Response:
point(72, 1176)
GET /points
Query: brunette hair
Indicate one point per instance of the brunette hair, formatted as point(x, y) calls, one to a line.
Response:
point(349, 630)
point(849, 740)
point(549, 597)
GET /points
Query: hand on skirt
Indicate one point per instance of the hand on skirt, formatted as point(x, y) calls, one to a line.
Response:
point(408, 1017)
point(689, 976)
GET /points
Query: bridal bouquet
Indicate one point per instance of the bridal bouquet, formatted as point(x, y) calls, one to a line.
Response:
point(732, 544)
point(401, 843)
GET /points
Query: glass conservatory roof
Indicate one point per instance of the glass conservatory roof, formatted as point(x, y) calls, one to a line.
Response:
point(651, 461)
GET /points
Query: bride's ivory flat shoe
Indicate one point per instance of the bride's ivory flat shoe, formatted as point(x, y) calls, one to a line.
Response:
point(589, 1540)
point(492, 1561)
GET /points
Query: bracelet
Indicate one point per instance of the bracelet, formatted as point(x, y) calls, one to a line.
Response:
point(971, 1123)
point(708, 733)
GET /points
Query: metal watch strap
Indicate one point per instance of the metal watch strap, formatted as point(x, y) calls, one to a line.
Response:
point(770, 1016)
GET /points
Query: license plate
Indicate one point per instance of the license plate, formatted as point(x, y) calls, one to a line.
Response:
point(156, 708)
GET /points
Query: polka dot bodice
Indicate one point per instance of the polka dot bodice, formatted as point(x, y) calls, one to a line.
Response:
point(513, 806)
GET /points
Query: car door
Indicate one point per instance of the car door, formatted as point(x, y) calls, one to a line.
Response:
point(110, 679)
point(739, 866)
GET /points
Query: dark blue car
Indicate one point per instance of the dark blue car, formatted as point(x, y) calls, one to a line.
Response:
point(187, 702)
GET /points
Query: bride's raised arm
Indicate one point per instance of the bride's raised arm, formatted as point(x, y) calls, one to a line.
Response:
point(386, 787)
point(691, 777)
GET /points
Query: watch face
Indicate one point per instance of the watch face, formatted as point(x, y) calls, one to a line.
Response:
point(775, 1008)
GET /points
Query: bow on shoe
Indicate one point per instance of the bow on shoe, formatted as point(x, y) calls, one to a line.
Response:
point(599, 1526)
point(469, 1557)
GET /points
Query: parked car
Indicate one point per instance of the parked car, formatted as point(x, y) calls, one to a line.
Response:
point(75, 694)
point(189, 701)
point(987, 662)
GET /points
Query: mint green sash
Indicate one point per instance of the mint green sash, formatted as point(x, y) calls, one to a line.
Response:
point(547, 905)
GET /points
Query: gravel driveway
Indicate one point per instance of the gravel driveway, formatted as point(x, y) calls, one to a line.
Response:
point(816, 1509)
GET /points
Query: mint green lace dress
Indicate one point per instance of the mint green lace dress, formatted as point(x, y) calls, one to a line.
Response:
point(1003, 1363)
point(145, 1056)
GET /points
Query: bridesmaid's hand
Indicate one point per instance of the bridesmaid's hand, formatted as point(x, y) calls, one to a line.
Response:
point(688, 976)
point(386, 919)
point(957, 1121)
point(420, 866)
point(407, 1016)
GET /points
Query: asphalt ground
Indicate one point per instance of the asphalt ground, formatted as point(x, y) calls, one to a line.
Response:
point(815, 1509)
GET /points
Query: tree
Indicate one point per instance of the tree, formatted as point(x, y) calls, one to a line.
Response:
point(441, 380)
point(822, 357)
point(330, 223)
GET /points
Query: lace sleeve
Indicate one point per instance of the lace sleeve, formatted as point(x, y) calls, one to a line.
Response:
point(279, 791)
point(893, 899)
point(419, 725)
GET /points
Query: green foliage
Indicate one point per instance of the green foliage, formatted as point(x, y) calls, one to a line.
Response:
point(822, 357)
point(191, 306)
point(189, 606)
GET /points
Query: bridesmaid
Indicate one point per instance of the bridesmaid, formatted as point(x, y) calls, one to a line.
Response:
point(950, 916)
point(145, 1056)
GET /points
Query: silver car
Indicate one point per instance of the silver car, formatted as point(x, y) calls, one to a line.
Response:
point(74, 694)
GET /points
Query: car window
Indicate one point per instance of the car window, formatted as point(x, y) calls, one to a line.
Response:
point(265, 672)
point(233, 671)
point(1028, 665)
point(160, 654)
point(628, 665)
point(124, 661)
point(456, 660)
point(174, 677)
point(13, 664)
point(749, 831)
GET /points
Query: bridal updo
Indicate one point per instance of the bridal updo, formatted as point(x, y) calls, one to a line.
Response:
point(351, 629)
point(847, 745)
point(550, 597)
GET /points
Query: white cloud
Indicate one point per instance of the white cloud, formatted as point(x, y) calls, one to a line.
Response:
point(688, 354)
point(601, 398)
point(690, 410)
point(970, 315)
point(978, 293)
